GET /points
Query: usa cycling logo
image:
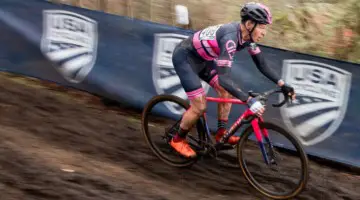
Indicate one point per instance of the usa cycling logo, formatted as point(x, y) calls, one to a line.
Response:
point(70, 41)
point(165, 78)
point(322, 97)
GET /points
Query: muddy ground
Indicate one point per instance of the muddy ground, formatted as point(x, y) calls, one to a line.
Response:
point(63, 144)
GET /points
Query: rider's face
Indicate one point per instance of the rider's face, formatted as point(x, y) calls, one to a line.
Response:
point(259, 32)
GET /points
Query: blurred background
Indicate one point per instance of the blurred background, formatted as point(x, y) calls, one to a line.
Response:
point(327, 28)
point(84, 142)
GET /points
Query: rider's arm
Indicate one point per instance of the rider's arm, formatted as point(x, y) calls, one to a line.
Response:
point(262, 66)
point(229, 85)
point(227, 46)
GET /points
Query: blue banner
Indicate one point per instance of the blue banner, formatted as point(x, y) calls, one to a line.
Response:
point(129, 60)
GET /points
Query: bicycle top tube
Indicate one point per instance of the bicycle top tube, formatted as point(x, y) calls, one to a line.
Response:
point(262, 96)
point(225, 100)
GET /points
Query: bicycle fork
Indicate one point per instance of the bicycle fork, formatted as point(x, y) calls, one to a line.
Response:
point(259, 133)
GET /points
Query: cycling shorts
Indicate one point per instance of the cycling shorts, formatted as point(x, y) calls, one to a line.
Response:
point(191, 69)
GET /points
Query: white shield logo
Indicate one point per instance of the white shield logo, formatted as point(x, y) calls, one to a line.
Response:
point(322, 93)
point(164, 76)
point(70, 41)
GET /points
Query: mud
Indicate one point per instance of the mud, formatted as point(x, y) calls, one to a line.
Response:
point(58, 143)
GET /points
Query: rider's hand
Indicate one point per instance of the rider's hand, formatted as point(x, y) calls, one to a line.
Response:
point(256, 106)
point(288, 90)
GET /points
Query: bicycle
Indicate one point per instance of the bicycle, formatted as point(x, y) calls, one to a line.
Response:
point(204, 145)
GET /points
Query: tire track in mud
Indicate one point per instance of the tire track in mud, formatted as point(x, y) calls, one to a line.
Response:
point(43, 131)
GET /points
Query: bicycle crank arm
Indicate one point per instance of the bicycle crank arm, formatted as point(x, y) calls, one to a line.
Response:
point(211, 151)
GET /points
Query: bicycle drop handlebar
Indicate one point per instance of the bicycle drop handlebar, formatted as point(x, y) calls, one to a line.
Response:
point(263, 97)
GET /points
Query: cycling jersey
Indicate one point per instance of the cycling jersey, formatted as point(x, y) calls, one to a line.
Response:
point(220, 42)
point(213, 49)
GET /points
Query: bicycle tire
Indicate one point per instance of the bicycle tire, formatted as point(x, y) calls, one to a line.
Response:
point(249, 177)
point(144, 124)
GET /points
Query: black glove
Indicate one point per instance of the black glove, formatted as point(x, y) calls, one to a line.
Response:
point(286, 89)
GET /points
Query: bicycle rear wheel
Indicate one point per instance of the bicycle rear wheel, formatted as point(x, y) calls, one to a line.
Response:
point(286, 153)
point(159, 130)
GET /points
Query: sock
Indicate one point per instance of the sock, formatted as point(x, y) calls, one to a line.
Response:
point(180, 135)
point(222, 123)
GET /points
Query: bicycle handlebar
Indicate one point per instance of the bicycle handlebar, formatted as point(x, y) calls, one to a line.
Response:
point(263, 97)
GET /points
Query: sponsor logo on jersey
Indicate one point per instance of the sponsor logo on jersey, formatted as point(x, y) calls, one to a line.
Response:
point(322, 93)
point(164, 76)
point(70, 41)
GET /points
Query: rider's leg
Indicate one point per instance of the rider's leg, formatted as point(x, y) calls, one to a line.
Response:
point(186, 66)
point(223, 116)
point(197, 108)
point(223, 108)
point(189, 118)
point(209, 75)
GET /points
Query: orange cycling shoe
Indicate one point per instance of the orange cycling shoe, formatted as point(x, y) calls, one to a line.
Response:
point(182, 147)
point(232, 140)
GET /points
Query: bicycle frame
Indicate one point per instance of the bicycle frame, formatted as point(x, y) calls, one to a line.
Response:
point(260, 133)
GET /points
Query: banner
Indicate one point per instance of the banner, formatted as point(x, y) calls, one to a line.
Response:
point(129, 60)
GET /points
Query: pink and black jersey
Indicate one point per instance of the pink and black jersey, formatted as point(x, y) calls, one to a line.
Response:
point(220, 42)
point(209, 53)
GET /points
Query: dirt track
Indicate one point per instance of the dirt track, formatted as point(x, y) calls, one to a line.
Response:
point(71, 147)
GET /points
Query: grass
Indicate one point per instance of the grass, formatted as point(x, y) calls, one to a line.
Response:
point(326, 28)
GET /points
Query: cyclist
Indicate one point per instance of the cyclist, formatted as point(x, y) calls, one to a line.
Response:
point(208, 55)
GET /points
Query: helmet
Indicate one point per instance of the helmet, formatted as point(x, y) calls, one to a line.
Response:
point(256, 12)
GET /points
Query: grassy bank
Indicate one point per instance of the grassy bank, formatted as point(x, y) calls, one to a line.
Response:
point(326, 28)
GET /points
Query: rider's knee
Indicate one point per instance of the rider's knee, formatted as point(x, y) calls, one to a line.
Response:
point(200, 109)
point(222, 92)
point(198, 105)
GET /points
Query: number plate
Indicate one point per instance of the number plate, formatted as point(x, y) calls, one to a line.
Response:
point(209, 33)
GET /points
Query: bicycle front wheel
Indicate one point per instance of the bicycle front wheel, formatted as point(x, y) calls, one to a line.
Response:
point(285, 174)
